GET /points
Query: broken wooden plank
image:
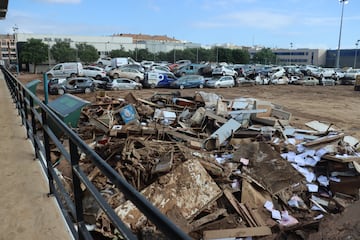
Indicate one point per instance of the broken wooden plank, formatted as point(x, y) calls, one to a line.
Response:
point(195, 225)
point(236, 233)
point(240, 209)
point(326, 139)
point(280, 114)
point(341, 159)
point(319, 126)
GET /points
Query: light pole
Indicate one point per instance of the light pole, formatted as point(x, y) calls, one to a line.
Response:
point(356, 44)
point(291, 45)
point(15, 28)
point(343, 2)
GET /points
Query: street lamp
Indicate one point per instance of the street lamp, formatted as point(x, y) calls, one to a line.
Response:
point(356, 44)
point(15, 28)
point(291, 45)
point(343, 2)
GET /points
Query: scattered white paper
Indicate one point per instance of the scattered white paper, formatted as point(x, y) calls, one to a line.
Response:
point(334, 179)
point(244, 161)
point(269, 206)
point(323, 180)
point(318, 217)
point(309, 176)
point(275, 214)
point(312, 187)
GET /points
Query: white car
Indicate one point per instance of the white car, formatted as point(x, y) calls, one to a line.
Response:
point(123, 83)
point(220, 81)
point(224, 70)
point(94, 72)
point(125, 72)
point(283, 80)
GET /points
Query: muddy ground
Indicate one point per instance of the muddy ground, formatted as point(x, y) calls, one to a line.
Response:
point(338, 105)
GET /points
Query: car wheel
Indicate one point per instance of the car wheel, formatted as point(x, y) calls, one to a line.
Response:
point(137, 88)
point(152, 85)
point(137, 79)
point(72, 75)
point(87, 90)
point(49, 76)
point(116, 75)
point(183, 74)
point(98, 77)
point(61, 91)
point(223, 73)
point(217, 86)
point(201, 86)
point(181, 87)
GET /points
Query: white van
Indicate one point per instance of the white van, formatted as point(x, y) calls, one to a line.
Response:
point(65, 70)
point(119, 61)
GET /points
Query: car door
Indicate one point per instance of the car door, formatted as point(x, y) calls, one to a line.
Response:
point(58, 71)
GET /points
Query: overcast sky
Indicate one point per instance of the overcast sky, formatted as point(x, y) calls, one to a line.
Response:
point(269, 23)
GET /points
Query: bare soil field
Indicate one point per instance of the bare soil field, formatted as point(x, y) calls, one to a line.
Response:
point(338, 105)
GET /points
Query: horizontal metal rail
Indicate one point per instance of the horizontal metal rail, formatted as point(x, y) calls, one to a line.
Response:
point(35, 113)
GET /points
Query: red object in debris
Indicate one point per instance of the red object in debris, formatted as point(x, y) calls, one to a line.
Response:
point(103, 141)
point(184, 102)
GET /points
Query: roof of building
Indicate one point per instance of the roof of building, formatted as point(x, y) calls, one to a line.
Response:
point(3, 8)
point(146, 37)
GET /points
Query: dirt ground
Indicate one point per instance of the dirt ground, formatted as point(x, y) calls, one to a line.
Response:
point(338, 105)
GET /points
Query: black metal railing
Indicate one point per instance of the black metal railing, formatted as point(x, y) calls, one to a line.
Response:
point(33, 113)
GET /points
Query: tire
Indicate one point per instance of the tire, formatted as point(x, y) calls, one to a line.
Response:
point(87, 90)
point(72, 75)
point(216, 86)
point(137, 79)
point(61, 91)
point(223, 73)
point(116, 75)
point(183, 74)
point(181, 86)
point(152, 86)
point(201, 86)
point(49, 76)
point(98, 77)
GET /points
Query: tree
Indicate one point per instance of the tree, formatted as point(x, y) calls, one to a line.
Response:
point(34, 51)
point(240, 56)
point(87, 53)
point(264, 56)
point(62, 52)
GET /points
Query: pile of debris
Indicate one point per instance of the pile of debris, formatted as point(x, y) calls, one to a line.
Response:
point(219, 168)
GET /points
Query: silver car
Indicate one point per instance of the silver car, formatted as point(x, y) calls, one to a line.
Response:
point(123, 83)
point(220, 81)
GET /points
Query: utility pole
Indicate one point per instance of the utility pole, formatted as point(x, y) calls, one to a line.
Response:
point(343, 2)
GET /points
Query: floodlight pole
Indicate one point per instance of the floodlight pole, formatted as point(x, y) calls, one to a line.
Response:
point(356, 49)
point(341, 20)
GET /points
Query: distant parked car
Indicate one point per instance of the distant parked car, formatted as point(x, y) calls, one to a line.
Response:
point(283, 80)
point(94, 72)
point(308, 80)
point(224, 70)
point(189, 81)
point(125, 72)
point(73, 85)
point(220, 81)
point(106, 61)
point(123, 83)
point(134, 66)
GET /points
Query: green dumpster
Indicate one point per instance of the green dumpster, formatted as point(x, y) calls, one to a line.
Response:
point(32, 86)
point(68, 108)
